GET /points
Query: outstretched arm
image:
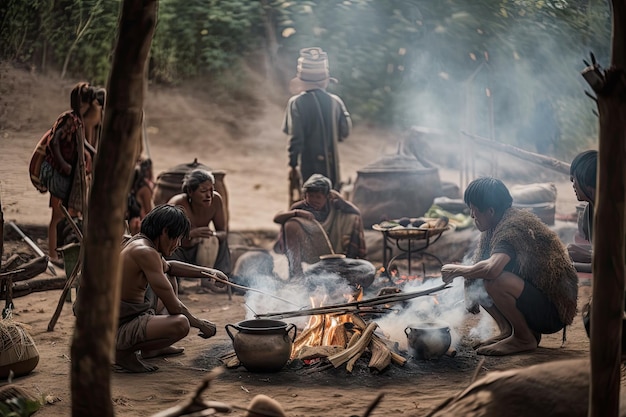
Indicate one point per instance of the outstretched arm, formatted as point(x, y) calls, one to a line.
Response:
point(488, 269)
point(183, 269)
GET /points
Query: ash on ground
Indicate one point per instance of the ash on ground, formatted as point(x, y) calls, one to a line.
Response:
point(296, 372)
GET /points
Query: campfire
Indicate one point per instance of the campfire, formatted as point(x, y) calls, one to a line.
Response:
point(341, 334)
point(336, 339)
point(333, 340)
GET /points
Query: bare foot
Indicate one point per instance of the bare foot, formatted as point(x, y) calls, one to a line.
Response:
point(508, 346)
point(166, 351)
point(130, 362)
point(491, 340)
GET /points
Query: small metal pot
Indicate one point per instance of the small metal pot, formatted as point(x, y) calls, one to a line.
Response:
point(262, 345)
point(429, 340)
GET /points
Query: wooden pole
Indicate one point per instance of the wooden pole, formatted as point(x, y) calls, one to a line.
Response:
point(1, 232)
point(544, 161)
point(608, 267)
point(98, 301)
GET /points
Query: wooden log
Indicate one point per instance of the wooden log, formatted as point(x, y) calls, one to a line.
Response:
point(23, 288)
point(337, 336)
point(315, 352)
point(395, 357)
point(28, 270)
point(11, 263)
point(343, 357)
point(356, 357)
point(544, 161)
point(381, 355)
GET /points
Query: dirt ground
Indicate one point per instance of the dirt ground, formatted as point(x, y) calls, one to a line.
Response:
point(244, 139)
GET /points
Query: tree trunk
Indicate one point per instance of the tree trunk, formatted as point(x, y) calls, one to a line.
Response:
point(609, 231)
point(1, 233)
point(98, 303)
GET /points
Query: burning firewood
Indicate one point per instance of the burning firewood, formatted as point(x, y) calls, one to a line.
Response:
point(357, 349)
point(381, 355)
point(353, 341)
point(315, 352)
point(395, 358)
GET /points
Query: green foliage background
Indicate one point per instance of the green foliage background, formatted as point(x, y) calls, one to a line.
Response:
point(481, 66)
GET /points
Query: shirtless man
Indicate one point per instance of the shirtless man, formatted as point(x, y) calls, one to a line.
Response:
point(203, 205)
point(322, 223)
point(527, 274)
point(152, 317)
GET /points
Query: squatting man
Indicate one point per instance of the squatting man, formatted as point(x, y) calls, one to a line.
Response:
point(531, 285)
point(152, 317)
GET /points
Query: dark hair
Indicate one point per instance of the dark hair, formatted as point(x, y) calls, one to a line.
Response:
point(584, 168)
point(488, 192)
point(76, 96)
point(165, 216)
point(193, 179)
point(141, 174)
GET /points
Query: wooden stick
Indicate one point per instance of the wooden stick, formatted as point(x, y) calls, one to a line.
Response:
point(66, 289)
point(551, 163)
point(216, 278)
point(355, 305)
point(72, 223)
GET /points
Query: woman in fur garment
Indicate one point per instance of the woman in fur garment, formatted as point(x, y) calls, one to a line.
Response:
point(526, 271)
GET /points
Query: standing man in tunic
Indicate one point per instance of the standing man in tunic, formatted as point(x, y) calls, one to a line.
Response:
point(315, 120)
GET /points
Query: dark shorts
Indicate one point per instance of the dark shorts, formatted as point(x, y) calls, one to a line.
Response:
point(58, 185)
point(540, 313)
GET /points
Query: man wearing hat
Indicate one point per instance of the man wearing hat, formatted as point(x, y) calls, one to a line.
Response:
point(323, 223)
point(315, 120)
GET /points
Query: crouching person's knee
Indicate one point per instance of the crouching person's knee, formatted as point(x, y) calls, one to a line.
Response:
point(180, 327)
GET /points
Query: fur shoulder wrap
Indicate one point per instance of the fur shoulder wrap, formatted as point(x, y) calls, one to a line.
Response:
point(542, 258)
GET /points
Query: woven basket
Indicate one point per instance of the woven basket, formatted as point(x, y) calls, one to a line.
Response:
point(18, 352)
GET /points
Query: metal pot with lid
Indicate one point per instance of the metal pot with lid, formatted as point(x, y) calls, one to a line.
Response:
point(169, 183)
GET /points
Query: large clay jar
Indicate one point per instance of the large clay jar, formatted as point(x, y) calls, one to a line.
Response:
point(262, 345)
point(169, 183)
point(429, 340)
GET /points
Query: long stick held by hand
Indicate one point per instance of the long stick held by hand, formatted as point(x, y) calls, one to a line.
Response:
point(215, 277)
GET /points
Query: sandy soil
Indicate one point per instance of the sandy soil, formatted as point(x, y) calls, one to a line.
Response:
point(245, 141)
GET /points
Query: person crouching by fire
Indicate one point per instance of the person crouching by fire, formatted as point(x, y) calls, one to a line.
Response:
point(527, 274)
point(320, 224)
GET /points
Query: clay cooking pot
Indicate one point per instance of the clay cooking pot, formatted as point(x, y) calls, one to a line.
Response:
point(429, 340)
point(262, 345)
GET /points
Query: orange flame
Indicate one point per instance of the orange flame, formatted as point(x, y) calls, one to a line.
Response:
point(325, 329)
